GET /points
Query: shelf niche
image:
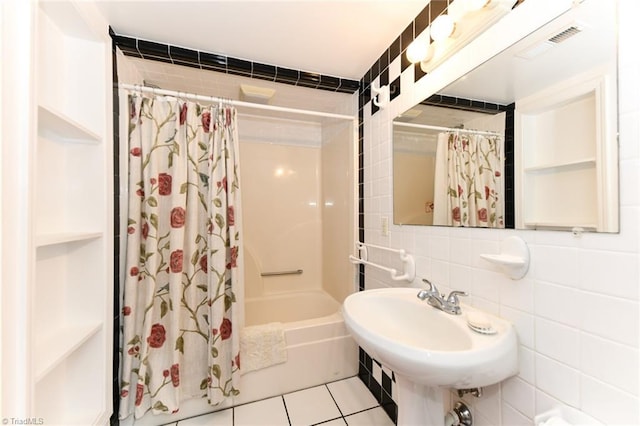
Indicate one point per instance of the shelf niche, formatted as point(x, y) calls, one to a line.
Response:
point(564, 136)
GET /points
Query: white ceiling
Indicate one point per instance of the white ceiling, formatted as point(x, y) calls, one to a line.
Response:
point(342, 38)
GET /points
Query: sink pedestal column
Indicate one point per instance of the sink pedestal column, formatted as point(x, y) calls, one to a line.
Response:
point(419, 405)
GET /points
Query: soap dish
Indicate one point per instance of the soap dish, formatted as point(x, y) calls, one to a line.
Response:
point(480, 323)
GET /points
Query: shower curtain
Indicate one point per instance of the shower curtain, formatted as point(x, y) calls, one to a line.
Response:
point(181, 309)
point(468, 188)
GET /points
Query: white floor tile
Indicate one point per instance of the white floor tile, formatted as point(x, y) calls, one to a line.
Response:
point(311, 406)
point(219, 418)
point(352, 395)
point(374, 417)
point(336, 422)
point(268, 412)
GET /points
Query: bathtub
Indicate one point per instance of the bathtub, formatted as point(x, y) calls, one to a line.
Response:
point(289, 307)
point(316, 336)
point(319, 350)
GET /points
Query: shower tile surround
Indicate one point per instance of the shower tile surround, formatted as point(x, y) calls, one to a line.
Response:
point(578, 306)
point(342, 100)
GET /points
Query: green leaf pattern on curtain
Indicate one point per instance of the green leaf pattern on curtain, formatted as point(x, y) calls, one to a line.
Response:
point(182, 267)
point(474, 188)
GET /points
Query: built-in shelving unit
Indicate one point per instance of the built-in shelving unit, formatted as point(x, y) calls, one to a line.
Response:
point(565, 156)
point(71, 319)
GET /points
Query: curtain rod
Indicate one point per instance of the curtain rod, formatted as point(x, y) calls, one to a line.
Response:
point(446, 129)
point(193, 96)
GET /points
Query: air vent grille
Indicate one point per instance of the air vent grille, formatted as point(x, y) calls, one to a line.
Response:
point(565, 34)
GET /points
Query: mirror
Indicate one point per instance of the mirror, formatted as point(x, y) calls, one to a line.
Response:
point(526, 140)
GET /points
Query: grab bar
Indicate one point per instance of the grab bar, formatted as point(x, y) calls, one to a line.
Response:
point(407, 260)
point(362, 245)
point(273, 274)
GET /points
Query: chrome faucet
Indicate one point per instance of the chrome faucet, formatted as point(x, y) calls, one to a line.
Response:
point(450, 304)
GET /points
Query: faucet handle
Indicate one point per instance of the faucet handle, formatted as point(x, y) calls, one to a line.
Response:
point(453, 297)
point(432, 287)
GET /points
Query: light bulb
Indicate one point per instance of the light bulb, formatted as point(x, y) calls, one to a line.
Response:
point(417, 51)
point(442, 27)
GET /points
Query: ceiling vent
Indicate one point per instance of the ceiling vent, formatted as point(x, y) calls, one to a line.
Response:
point(565, 34)
point(539, 48)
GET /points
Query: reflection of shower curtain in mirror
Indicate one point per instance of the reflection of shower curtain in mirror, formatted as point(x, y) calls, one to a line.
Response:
point(468, 181)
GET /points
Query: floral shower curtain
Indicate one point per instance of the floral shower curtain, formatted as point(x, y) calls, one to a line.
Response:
point(473, 164)
point(181, 309)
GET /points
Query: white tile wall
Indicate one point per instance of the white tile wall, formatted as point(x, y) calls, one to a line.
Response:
point(577, 310)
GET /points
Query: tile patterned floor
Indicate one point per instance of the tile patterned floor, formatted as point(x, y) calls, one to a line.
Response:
point(345, 402)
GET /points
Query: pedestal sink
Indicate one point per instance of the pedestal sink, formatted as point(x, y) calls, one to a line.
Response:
point(428, 349)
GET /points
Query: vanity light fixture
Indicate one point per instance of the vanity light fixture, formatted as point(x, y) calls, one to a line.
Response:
point(458, 24)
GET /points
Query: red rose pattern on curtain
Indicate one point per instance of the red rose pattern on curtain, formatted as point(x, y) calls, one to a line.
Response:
point(474, 170)
point(181, 309)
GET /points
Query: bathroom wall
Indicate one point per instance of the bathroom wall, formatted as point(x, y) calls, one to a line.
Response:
point(576, 311)
point(281, 195)
point(338, 208)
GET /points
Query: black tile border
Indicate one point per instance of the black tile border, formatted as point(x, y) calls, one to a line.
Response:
point(210, 61)
point(115, 354)
point(464, 104)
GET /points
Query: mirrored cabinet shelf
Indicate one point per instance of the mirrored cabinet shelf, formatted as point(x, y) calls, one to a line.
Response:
point(562, 137)
point(565, 166)
point(562, 226)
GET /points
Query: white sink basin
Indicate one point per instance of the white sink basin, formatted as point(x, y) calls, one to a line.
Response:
point(427, 348)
